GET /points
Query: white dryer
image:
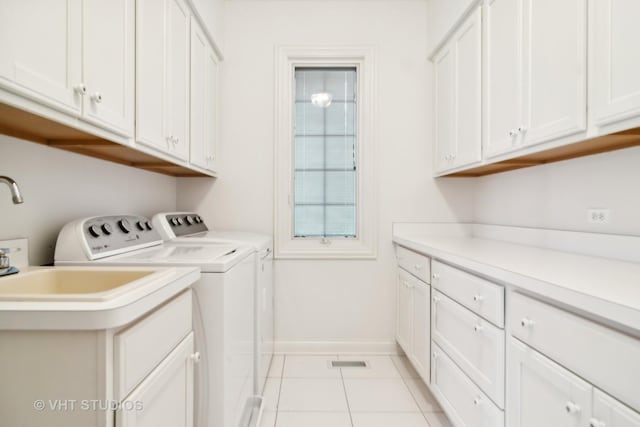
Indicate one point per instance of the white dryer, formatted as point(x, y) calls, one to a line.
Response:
point(189, 227)
point(223, 304)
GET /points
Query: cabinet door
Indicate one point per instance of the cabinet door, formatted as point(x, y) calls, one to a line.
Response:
point(554, 69)
point(40, 41)
point(404, 309)
point(468, 74)
point(151, 97)
point(203, 100)
point(445, 107)
point(420, 355)
point(503, 80)
point(614, 81)
point(177, 40)
point(542, 393)
point(608, 412)
point(108, 63)
point(166, 395)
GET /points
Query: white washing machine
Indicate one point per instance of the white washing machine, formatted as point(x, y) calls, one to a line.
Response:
point(223, 304)
point(189, 227)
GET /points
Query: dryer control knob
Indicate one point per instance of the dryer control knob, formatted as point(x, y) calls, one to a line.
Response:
point(124, 225)
point(140, 225)
point(148, 225)
point(107, 229)
point(189, 220)
point(94, 230)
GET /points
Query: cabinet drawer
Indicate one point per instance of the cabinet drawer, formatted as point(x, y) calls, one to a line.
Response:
point(462, 400)
point(602, 356)
point(415, 263)
point(478, 295)
point(141, 347)
point(474, 344)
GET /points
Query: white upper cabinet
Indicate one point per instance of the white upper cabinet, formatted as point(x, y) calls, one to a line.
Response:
point(554, 69)
point(615, 64)
point(108, 63)
point(535, 72)
point(75, 56)
point(41, 41)
point(458, 85)
point(204, 68)
point(162, 76)
point(503, 75)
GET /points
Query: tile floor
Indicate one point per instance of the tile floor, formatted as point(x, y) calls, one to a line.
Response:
point(304, 391)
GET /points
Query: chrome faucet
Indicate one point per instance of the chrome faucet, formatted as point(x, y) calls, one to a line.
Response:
point(15, 190)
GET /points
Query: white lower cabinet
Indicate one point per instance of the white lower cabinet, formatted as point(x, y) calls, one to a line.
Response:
point(413, 327)
point(542, 393)
point(608, 412)
point(166, 395)
point(472, 343)
point(463, 401)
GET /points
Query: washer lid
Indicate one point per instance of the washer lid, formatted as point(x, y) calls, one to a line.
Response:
point(262, 242)
point(210, 258)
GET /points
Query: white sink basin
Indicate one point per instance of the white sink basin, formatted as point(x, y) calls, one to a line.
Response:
point(87, 298)
point(75, 284)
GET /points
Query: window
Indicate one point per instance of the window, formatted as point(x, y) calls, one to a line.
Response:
point(325, 189)
point(325, 170)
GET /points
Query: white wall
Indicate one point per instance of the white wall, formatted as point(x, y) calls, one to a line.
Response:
point(558, 195)
point(212, 12)
point(59, 186)
point(325, 304)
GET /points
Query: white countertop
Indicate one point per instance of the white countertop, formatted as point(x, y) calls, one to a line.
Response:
point(606, 288)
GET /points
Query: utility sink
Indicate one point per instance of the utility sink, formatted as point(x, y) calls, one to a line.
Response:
point(76, 284)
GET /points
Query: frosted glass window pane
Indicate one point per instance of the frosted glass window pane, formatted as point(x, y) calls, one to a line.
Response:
point(340, 187)
point(310, 120)
point(341, 152)
point(341, 220)
point(309, 187)
point(309, 221)
point(309, 152)
point(325, 167)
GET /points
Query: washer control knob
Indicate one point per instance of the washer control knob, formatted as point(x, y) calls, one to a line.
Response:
point(107, 229)
point(148, 225)
point(94, 230)
point(140, 225)
point(179, 221)
point(124, 225)
point(189, 220)
point(173, 222)
point(198, 219)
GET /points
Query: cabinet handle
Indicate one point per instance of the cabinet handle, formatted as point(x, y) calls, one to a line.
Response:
point(522, 129)
point(209, 158)
point(478, 328)
point(572, 408)
point(512, 133)
point(97, 97)
point(195, 357)
point(596, 423)
point(417, 267)
point(436, 300)
point(477, 401)
point(434, 355)
point(478, 298)
point(81, 89)
point(526, 322)
point(435, 276)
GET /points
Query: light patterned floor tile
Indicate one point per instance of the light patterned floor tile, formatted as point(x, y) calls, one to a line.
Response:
point(426, 401)
point(313, 419)
point(389, 419)
point(405, 367)
point(437, 419)
point(276, 366)
point(312, 394)
point(310, 367)
point(271, 394)
point(379, 367)
point(379, 395)
point(268, 419)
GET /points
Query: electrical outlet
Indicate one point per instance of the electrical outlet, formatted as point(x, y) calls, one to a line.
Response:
point(598, 216)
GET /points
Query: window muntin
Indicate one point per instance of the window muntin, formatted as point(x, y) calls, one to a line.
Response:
point(325, 161)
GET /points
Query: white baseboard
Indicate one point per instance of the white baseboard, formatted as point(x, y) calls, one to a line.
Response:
point(336, 347)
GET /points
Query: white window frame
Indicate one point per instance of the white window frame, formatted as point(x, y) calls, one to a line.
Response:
point(364, 245)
